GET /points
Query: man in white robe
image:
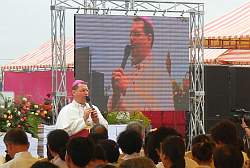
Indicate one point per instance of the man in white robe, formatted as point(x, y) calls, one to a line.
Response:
point(77, 117)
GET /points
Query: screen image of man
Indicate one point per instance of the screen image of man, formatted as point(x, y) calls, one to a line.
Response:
point(145, 86)
point(78, 116)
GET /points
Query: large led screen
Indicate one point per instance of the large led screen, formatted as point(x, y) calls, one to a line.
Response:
point(134, 63)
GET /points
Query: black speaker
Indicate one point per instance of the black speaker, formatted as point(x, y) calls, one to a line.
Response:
point(97, 90)
point(82, 69)
point(226, 88)
point(82, 64)
point(217, 94)
point(241, 88)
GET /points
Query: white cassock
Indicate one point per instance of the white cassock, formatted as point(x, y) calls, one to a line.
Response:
point(71, 119)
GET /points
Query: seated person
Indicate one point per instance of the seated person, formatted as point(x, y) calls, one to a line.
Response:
point(172, 152)
point(130, 142)
point(154, 139)
point(17, 145)
point(80, 151)
point(56, 143)
point(202, 153)
point(202, 150)
point(150, 146)
point(137, 126)
point(111, 149)
point(227, 156)
point(99, 159)
point(98, 132)
point(225, 133)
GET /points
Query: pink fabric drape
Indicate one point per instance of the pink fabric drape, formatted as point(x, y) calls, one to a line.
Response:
point(34, 85)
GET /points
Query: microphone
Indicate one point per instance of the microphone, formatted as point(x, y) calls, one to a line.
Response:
point(127, 51)
point(89, 102)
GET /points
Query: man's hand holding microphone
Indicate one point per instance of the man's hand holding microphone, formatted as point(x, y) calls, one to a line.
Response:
point(90, 111)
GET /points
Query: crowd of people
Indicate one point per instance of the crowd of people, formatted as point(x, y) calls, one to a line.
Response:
point(135, 148)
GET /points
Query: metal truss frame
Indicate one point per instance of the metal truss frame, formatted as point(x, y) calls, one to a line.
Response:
point(197, 93)
point(59, 91)
point(195, 12)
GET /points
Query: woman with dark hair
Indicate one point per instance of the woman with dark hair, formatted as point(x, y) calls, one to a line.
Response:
point(202, 151)
point(172, 152)
point(56, 143)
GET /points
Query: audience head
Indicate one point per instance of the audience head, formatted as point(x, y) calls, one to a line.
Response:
point(56, 142)
point(43, 164)
point(225, 132)
point(200, 138)
point(16, 141)
point(79, 152)
point(111, 149)
point(150, 147)
point(98, 132)
point(137, 126)
point(139, 162)
point(130, 141)
point(152, 141)
point(202, 149)
point(172, 152)
point(99, 158)
point(163, 132)
point(228, 156)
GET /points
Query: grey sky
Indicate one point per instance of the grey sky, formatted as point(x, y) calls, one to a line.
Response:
point(25, 25)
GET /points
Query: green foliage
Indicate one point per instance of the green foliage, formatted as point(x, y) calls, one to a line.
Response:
point(33, 121)
point(120, 117)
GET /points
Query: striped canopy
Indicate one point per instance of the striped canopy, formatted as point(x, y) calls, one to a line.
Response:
point(41, 58)
point(210, 55)
point(228, 33)
point(235, 24)
point(239, 57)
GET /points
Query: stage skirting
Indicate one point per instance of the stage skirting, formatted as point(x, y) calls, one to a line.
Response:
point(175, 119)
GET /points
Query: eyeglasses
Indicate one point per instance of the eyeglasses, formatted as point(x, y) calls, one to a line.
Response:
point(136, 34)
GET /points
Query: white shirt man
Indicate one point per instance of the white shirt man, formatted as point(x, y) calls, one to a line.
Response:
point(72, 121)
point(21, 159)
point(17, 146)
point(78, 115)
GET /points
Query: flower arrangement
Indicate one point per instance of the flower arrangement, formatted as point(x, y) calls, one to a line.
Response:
point(120, 117)
point(181, 93)
point(23, 113)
